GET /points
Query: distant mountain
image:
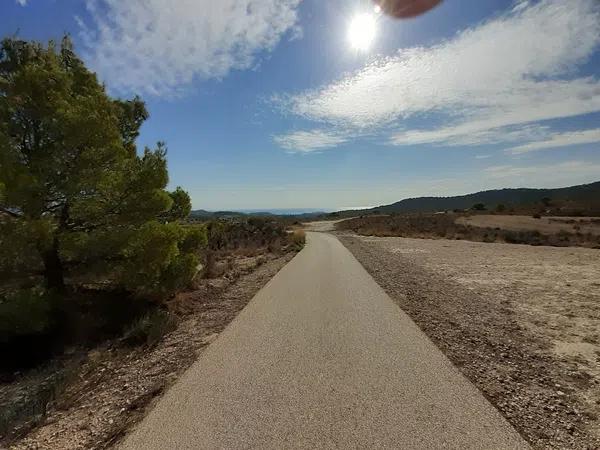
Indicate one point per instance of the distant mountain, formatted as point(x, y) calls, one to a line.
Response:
point(286, 211)
point(204, 214)
point(585, 195)
point(201, 213)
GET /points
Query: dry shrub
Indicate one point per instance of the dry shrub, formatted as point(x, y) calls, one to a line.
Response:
point(260, 260)
point(430, 226)
point(298, 239)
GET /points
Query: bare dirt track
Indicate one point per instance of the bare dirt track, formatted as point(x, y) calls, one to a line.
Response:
point(521, 322)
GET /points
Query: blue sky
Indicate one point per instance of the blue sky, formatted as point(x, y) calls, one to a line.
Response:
point(265, 104)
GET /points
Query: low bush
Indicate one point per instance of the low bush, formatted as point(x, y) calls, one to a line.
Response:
point(524, 237)
point(444, 226)
point(161, 259)
point(29, 407)
point(260, 261)
point(298, 239)
point(254, 232)
point(150, 328)
point(24, 312)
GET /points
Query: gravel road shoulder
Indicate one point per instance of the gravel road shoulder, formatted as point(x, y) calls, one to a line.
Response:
point(504, 315)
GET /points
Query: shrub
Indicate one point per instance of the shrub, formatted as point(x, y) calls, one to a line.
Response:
point(18, 253)
point(254, 232)
point(150, 328)
point(195, 238)
point(537, 216)
point(563, 235)
point(29, 407)
point(489, 237)
point(161, 259)
point(24, 312)
point(524, 237)
point(260, 260)
point(298, 239)
point(275, 246)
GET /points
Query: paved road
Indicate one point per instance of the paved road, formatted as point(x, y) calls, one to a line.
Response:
point(322, 358)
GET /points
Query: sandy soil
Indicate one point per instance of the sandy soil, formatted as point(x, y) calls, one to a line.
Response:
point(117, 386)
point(522, 322)
point(321, 225)
point(546, 225)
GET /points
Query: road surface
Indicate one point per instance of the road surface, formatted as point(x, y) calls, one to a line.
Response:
point(322, 358)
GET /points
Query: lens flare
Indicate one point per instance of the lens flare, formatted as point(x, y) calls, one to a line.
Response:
point(362, 31)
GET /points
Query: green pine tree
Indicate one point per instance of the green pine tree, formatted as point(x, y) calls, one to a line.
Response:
point(75, 196)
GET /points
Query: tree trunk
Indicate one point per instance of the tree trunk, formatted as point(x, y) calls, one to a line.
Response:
point(53, 268)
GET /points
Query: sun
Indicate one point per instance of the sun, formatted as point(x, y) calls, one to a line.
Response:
point(361, 31)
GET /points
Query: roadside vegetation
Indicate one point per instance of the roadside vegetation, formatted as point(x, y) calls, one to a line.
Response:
point(454, 226)
point(298, 239)
point(93, 246)
point(89, 235)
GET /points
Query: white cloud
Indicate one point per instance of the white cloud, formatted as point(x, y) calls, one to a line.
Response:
point(559, 140)
point(160, 46)
point(486, 83)
point(520, 5)
point(473, 133)
point(309, 141)
point(22, 2)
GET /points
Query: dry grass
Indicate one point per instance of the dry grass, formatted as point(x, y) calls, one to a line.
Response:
point(451, 226)
point(298, 239)
point(545, 225)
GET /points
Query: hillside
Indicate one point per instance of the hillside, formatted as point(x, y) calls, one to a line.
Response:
point(202, 214)
point(585, 197)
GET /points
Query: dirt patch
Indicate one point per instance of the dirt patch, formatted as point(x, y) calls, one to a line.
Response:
point(117, 385)
point(546, 225)
point(321, 225)
point(520, 322)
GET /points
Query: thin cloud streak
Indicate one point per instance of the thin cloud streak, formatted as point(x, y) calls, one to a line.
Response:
point(559, 140)
point(309, 141)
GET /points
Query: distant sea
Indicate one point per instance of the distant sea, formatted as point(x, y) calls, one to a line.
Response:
point(285, 212)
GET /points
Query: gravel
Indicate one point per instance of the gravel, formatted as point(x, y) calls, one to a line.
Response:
point(488, 310)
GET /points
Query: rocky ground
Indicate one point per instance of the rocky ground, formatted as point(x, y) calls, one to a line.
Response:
point(521, 322)
point(115, 385)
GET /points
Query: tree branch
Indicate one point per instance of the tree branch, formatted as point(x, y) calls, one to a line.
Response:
point(10, 212)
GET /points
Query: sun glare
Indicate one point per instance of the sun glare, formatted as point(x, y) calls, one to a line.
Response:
point(362, 31)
